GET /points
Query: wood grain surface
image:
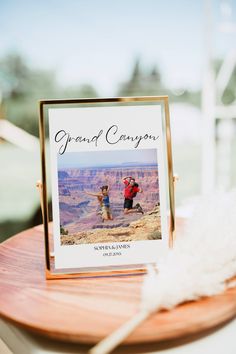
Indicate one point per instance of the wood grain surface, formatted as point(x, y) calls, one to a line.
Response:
point(88, 309)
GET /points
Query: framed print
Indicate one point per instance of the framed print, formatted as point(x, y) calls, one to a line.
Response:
point(107, 168)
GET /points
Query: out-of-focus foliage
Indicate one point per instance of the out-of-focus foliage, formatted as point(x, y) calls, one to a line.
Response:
point(149, 82)
point(229, 94)
point(22, 86)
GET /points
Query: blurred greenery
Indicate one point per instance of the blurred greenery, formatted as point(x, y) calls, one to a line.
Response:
point(22, 86)
point(149, 82)
point(229, 94)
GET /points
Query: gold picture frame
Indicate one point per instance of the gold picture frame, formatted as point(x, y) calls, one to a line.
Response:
point(44, 106)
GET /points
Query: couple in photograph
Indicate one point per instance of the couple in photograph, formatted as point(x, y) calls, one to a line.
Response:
point(130, 191)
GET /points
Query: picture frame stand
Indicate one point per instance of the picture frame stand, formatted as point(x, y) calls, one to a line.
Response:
point(93, 172)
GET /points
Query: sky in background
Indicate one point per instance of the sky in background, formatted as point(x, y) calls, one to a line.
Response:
point(97, 41)
point(107, 158)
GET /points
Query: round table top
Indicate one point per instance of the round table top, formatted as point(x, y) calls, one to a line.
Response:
point(86, 310)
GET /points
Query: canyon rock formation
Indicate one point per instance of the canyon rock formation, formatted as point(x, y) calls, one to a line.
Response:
point(79, 212)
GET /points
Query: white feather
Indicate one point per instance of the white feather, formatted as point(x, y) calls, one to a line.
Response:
point(202, 259)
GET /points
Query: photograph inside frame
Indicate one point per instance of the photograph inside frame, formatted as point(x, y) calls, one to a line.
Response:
point(109, 184)
point(109, 196)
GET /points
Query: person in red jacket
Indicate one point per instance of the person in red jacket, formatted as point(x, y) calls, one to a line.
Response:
point(130, 192)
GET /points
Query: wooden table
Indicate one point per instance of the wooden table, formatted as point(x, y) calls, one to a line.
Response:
point(86, 310)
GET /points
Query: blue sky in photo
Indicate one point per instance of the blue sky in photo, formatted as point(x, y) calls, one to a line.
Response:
point(97, 42)
point(107, 158)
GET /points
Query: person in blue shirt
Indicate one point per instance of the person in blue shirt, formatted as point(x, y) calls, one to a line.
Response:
point(104, 202)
